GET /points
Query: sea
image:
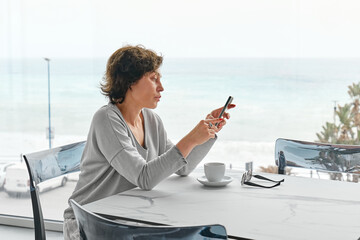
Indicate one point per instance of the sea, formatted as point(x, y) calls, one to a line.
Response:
point(274, 97)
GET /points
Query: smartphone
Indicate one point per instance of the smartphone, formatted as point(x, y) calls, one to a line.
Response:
point(228, 102)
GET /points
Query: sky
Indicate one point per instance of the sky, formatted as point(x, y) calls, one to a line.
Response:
point(186, 28)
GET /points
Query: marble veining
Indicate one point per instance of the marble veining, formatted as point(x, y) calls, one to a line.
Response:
point(316, 209)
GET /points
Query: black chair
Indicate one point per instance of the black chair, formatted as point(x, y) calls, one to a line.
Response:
point(46, 165)
point(331, 158)
point(94, 227)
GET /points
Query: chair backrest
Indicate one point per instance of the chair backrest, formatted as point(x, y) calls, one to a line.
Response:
point(46, 165)
point(94, 227)
point(318, 156)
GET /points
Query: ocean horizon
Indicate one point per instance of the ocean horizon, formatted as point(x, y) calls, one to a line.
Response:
point(287, 98)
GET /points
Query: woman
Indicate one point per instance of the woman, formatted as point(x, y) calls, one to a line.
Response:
point(127, 145)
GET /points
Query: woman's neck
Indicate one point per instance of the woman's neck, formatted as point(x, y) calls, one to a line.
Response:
point(131, 114)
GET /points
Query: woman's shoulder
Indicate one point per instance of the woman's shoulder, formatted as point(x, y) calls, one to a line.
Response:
point(103, 111)
point(108, 112)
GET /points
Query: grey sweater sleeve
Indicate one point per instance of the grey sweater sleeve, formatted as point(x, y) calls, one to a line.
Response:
point(115, 143)
point(147, 175)
point(196, 156)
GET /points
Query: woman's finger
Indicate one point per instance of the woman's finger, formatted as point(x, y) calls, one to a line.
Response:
point(213, 120)
point(212, 133)
point(217, 129)
point(209, 116)
point(230, 106)
point(226, 115)
point(217, 111)
point(222, 123)
point(220, 126)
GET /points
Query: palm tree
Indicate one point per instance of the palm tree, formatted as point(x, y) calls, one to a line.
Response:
point(348, 127)
point(348, 130)
point(346, 118)
point(355, 111)
point(354, 90)
point(329, 133)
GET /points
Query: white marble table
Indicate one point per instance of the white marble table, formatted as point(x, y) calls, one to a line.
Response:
point(301, 208)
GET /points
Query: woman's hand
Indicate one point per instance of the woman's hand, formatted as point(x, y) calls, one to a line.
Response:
point(201, 133)
point(204, 130)
point(215, 113)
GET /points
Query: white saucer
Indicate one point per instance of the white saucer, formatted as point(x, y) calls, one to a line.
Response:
point(226, 180)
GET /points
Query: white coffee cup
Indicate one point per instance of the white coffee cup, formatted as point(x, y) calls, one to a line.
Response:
point(214, 171)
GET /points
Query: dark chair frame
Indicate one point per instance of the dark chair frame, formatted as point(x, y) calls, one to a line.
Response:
point(302, 154)
point(39, 225)
point(90, 223)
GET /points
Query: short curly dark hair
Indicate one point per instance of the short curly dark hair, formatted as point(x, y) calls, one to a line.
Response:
point(125, 67)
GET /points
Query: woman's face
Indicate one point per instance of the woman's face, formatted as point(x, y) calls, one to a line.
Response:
point(146, 91)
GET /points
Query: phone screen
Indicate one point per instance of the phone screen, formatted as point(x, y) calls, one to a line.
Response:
point(228, 102)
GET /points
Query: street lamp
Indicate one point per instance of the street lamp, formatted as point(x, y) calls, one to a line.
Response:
point(335, 111)
point(49, 130)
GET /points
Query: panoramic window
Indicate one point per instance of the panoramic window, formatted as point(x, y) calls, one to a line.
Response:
point(291, 66)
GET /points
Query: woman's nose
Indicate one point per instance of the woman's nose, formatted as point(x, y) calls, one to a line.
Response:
point(160, 88)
